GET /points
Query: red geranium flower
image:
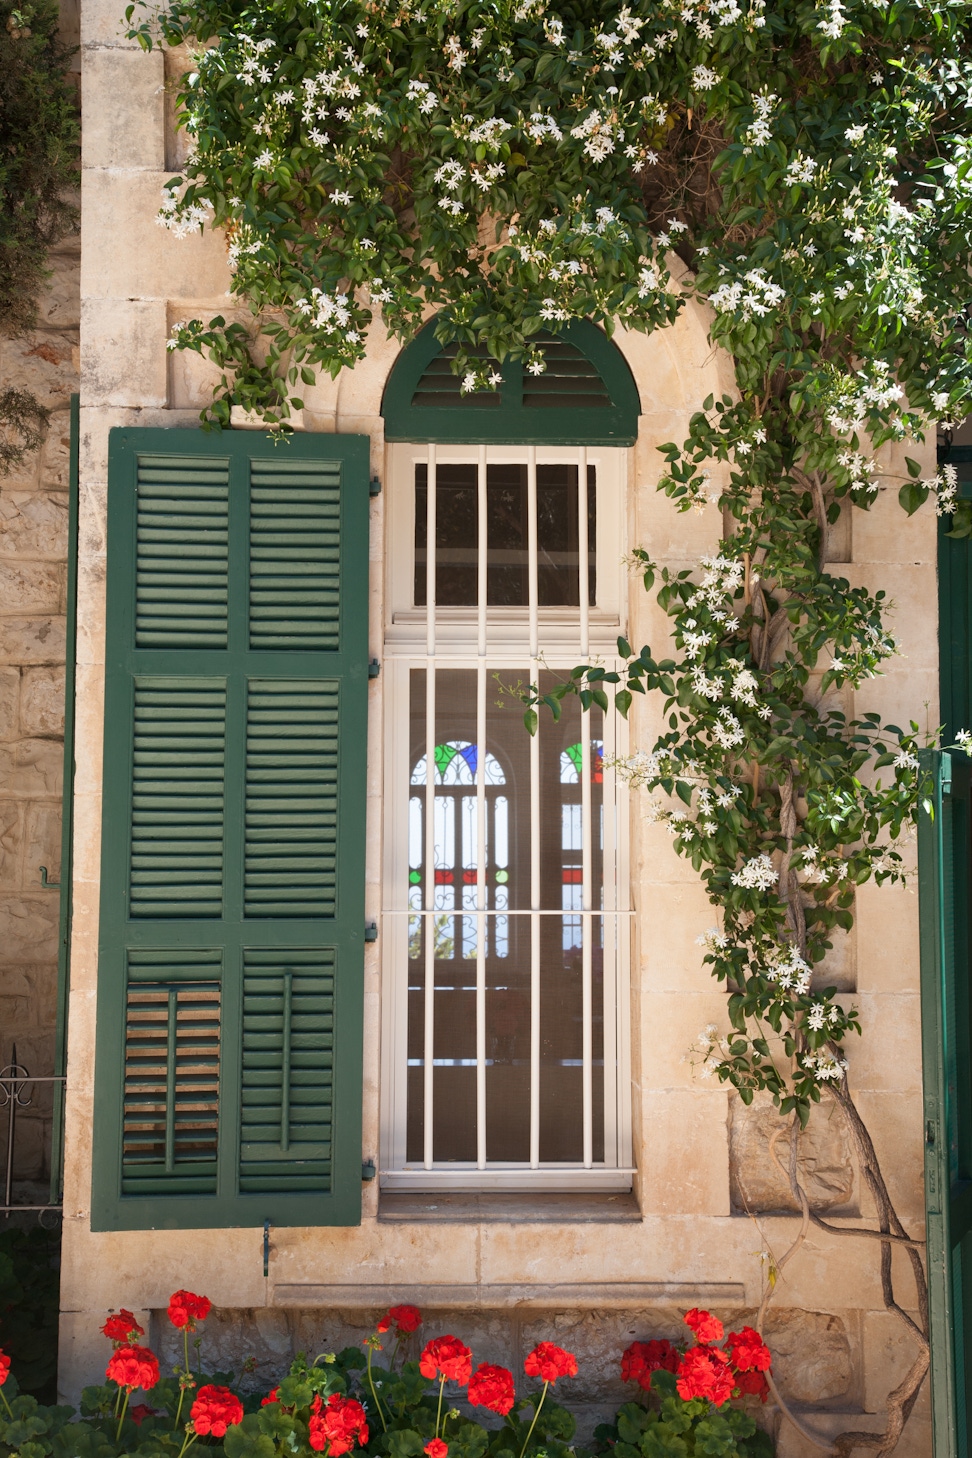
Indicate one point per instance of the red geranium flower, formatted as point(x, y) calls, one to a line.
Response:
point(706, 1328)
point(405, 1320)
point(140, 1412)
point(186, 1308)
point(752, 1384)
point(4, 1368)
point(490, 1387)
point(748, 1351)
point(435, 1448)
point(705, 1372)
point(215, 1409)
point(550, 1362)
point(643, 1358)
point(446, 1357)
point(270, 1397)
point(338, 1426)
point(133, 1366)
point(120, 1326)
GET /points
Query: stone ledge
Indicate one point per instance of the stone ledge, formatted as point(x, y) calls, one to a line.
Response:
point(585, 1295)
point(474, 1207)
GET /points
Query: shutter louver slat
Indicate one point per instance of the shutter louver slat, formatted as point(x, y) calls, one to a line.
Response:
point(178, 799)
point(171, 1082)
point(295, 567)
point(288, 1067)
point(439, 385)
point(182, 564)
point(569, 381)
point(291, 798)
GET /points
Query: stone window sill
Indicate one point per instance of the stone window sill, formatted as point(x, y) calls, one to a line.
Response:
point(468, 1207)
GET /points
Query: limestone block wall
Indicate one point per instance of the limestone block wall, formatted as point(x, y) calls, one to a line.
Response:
point(708, 1199)
point(33, 572)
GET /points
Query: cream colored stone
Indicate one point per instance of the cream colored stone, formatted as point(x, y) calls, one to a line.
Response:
point(674, 1121)
point(812, 1358)
point(32, 640)
point(889, 1055)
point(33, 525)
point(28, 928)
point(118, 83)
point(9, 703)
point(11, 844)
point(45, 362)
point(42, 842)
point(31, 587)
point(885, 535)
point(887, 938)
point(59, 301)
point(42, 702)
point(825, 1164)
point(155, 264)
point(31, 767)
point(123, 351)
point(55, 454)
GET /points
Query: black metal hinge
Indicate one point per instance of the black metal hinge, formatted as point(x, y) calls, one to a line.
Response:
point(368, 1170)
point(371, 931)
point(374, 487)
point(374, 668)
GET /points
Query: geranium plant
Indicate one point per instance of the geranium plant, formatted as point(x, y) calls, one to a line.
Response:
point(697, 1398)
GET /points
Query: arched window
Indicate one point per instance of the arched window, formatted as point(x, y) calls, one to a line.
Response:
point(585, 396)
point(505, 934)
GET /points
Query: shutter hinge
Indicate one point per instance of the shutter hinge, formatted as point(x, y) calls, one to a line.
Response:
point(371, 931)
point(368, 1170)
point(266, 1248)
point(374, 486)
point(374, 668)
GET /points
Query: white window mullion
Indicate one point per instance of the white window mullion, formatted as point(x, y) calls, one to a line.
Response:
point(587, 999)
point(534, 621)
point(611, 932)
point(430, 936)
point(481, 586)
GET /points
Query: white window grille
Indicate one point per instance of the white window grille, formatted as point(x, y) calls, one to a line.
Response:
point(505, 908)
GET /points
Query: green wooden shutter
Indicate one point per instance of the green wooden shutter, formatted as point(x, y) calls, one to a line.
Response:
point(945, 865)
point(955, 609)
point(228, 1065)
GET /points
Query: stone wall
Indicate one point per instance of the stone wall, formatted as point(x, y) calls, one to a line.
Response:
point(33, 574)
point(710, 1204)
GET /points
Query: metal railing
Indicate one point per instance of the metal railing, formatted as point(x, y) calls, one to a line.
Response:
point(14, 1081)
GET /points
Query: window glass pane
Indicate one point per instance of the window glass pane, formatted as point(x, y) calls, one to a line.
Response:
point(507, 938)
point(507, 582)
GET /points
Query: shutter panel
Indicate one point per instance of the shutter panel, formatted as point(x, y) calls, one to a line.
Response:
point(944, 865)
point(232, 895)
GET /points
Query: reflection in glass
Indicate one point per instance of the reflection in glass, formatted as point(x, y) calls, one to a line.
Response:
point(507, 578)
point(507, 940)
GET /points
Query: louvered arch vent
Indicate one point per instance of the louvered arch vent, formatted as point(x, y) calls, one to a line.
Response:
point(585, 394)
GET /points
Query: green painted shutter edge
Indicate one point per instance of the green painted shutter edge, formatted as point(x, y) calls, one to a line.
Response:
point(514, 424)
point(342, 1206)
point(943, 865)
point(931, 914)
point(67, 814)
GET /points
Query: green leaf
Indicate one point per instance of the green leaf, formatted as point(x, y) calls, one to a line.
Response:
point(912, 495)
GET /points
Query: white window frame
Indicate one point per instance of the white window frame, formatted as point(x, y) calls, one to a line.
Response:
point(528, 639)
